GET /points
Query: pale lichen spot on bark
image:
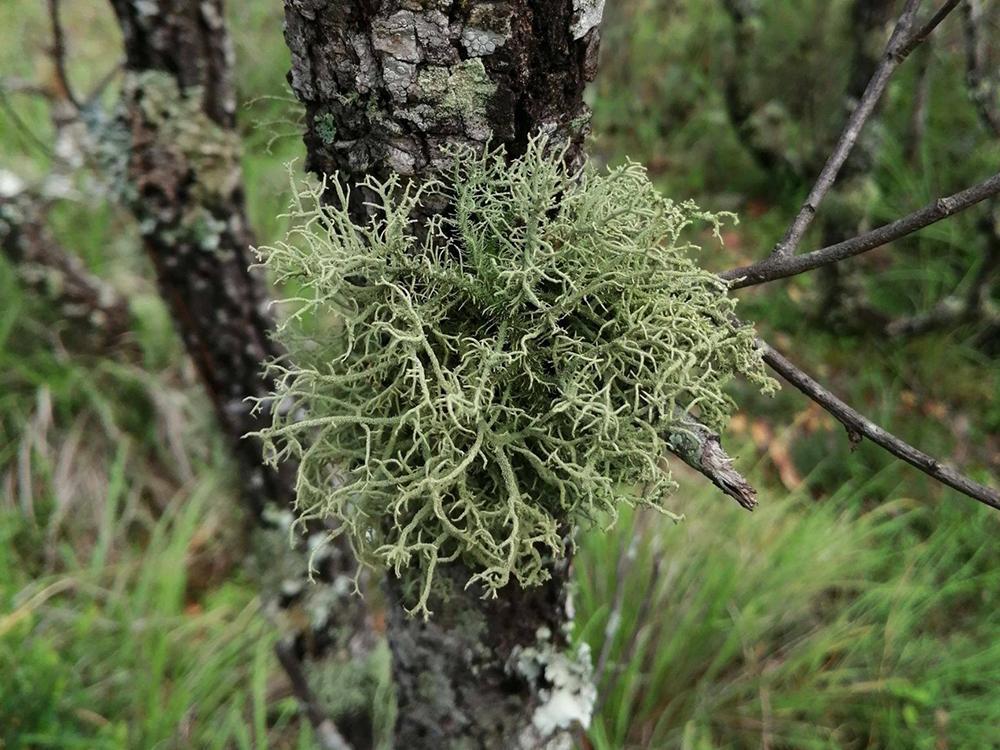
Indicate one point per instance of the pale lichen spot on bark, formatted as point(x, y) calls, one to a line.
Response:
point(479, 42)
point(487, 30)
point(587, 15)
point(563, 682)
point(468, 93)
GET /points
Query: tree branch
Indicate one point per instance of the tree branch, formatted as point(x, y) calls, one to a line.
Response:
point(86, 301)
point(782, 266)
point(859, 426)
point(58, 54)
point(925, 31)
point(327, 734)
point(702, 450)
point(876, 86)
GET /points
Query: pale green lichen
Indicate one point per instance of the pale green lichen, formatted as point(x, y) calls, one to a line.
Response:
point(509, 369)
point(326, 128)
point(181, 126)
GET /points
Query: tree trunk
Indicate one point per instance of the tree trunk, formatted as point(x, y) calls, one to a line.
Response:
point(180, 157)
point(387, 86)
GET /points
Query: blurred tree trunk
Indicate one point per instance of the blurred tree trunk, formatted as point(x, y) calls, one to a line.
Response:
point(180, 160)
point(185, 186)
point(387, 85)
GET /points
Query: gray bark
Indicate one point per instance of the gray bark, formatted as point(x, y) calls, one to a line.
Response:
point(387, 86)
point(180, 164)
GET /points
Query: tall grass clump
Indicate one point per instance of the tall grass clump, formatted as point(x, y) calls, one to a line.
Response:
point(807, 626)
point(115, 652)
point(501, 370)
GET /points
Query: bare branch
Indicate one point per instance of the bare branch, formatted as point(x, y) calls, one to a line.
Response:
point(876, 86)
point(58, 53)
point(779, 267)
point(327, 733)
point(974, 306)
point(859, 426)
point(925, 31)
point(701, 449)
point(88, 302)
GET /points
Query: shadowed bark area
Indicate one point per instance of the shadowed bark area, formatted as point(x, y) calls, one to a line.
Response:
point(388, 86)
point(183, 182)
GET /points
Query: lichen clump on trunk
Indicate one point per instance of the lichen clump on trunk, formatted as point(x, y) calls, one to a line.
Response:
point(500, 372)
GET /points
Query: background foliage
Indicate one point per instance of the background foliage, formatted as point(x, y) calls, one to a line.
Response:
point(856, 608)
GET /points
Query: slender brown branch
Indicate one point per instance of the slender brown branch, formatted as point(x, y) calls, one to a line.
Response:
point(779, 267)
point(65, 90)
point(327, 733)
point(920, 36)
point(859, 426)
point(873, 92)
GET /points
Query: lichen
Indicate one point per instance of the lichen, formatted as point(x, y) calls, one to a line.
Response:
point(458, 93)
point(212, 153)
point(510, 369)
point(465, 93)
point(326, 128)
point(587, 15)
point(563, 681)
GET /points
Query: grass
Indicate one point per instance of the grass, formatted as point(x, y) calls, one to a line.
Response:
point(856, 608)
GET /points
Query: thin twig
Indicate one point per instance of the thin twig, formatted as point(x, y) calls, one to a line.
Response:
point(59, 53)
point(925, 31)
point(326, 732)
point(779, 267)
point(859, 426)
point(873, 92)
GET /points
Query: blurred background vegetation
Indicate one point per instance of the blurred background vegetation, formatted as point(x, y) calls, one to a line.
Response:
point(858, 607)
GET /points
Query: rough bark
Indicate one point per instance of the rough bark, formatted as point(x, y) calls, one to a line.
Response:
point(183, 182)
point(388, 86)
point(185, 187)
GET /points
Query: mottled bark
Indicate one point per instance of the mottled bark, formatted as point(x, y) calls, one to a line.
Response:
point(389, 86)
point(96, 316)
point(184, 184)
